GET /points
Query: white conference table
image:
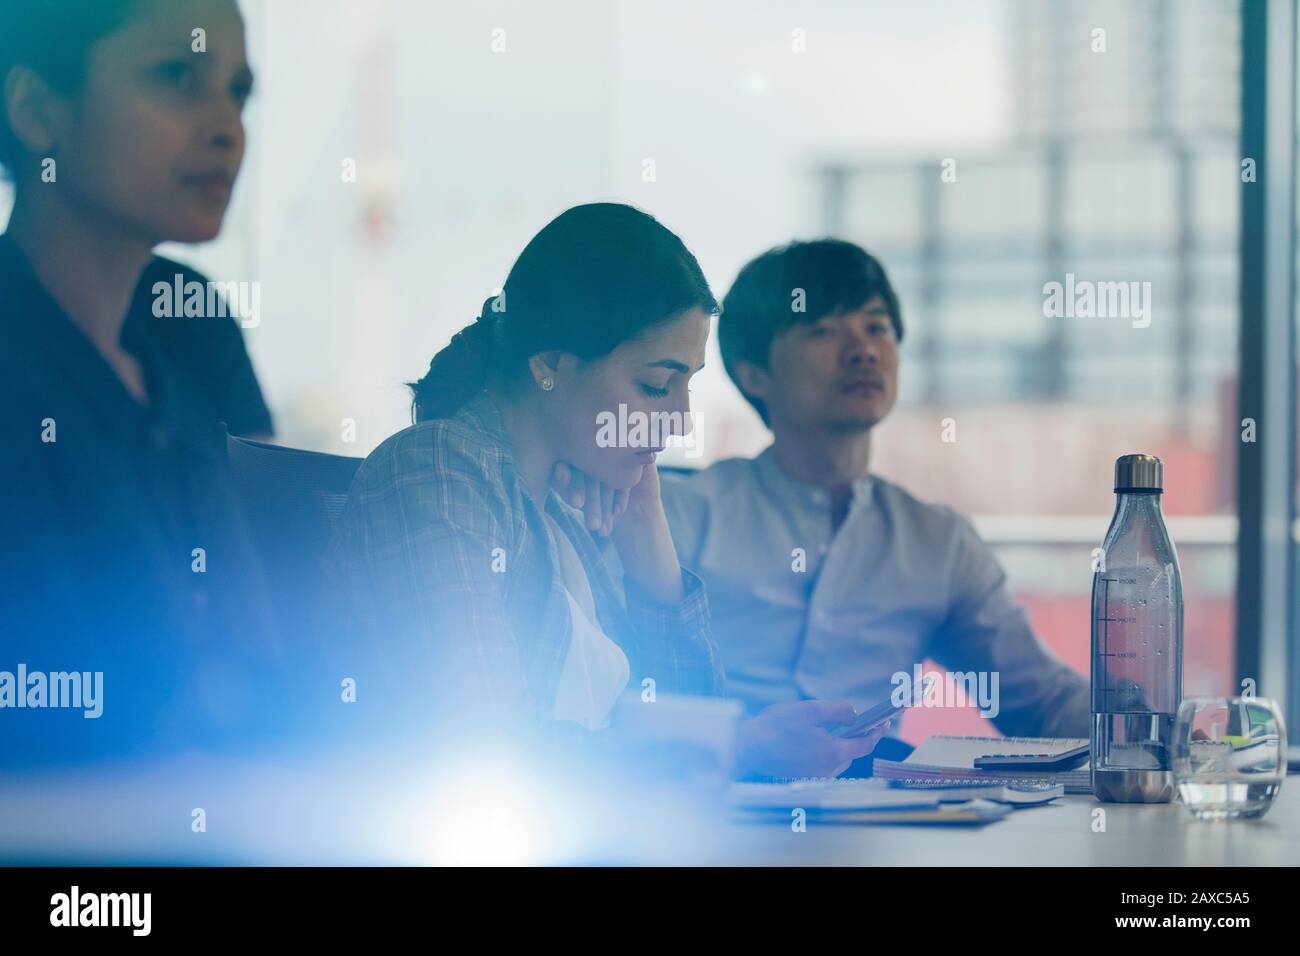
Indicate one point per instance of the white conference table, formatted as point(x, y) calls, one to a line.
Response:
point(1058, 834)
point(313, 815)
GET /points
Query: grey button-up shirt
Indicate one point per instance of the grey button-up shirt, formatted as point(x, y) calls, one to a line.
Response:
point(802, 612)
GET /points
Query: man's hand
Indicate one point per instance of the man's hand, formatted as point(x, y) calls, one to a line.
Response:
point(793, 739)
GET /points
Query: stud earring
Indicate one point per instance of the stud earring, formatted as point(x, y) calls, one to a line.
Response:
point(547, 383)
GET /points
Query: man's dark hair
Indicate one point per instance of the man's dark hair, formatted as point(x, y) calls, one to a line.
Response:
point(796, 284)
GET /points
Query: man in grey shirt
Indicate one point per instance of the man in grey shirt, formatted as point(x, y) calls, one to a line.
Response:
point(827, 581)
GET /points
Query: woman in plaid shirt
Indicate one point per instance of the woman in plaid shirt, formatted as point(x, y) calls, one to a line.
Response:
point(499, 603)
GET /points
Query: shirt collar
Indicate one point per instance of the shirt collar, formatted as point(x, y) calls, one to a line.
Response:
point(42, 329)
point(791, 490)
point(482, 414)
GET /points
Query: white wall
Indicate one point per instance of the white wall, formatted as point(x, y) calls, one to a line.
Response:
point(463, 153)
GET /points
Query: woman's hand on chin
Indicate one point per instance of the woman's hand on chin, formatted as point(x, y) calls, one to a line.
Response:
point(604, 507)
point(634, 520)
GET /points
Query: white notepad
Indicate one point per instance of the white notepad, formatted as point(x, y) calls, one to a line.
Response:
point(833, 794)
point(950, 761)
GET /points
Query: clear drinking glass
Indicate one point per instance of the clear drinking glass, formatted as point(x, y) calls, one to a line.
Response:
point(1229, 756)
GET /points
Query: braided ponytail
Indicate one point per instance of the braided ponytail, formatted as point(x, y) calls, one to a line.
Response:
point(458, 372)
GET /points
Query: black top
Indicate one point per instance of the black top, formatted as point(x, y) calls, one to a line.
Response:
point(209, 348)
point(104, 503)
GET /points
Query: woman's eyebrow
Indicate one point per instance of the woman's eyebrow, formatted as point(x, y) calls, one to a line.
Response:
point(674, 365)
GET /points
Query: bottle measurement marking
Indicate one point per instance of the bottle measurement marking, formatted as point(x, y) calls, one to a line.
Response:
point(1105, 621)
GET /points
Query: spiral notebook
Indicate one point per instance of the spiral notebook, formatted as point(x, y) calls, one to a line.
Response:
point(838, 794)
point(950, 762)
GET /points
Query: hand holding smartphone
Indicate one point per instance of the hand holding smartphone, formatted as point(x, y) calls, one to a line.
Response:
point(877, 714)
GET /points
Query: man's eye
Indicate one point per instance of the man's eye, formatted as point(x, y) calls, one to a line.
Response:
point(819, 332)
point(654, 392)
point(241, 91)
point(176, 73)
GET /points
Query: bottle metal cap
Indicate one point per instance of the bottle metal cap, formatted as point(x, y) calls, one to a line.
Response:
point(1139, 473)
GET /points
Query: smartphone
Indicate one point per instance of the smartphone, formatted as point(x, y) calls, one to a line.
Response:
point(883, 711)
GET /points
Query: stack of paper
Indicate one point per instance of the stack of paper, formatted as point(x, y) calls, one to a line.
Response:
point(950, 761)
point(857, 794)
point(873, 801)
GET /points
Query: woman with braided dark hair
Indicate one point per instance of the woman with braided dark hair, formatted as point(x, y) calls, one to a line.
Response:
point(508, 605)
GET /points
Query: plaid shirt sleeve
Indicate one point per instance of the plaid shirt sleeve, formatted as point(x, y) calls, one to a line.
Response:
point(419, 539)
point(429, 521)
point(669, 643)
point(674, 643)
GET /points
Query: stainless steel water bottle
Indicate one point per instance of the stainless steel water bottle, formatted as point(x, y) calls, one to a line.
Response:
point(1137, 642)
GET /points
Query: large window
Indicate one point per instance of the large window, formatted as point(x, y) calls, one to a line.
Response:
point(1113, 169)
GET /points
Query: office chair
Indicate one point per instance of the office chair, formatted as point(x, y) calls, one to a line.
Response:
point(292, 500)
point(292, 497)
